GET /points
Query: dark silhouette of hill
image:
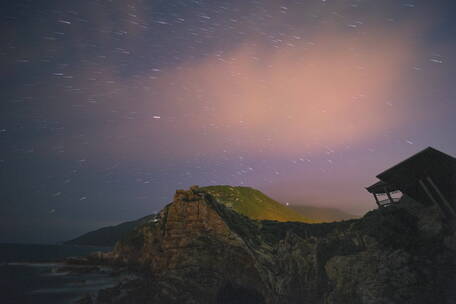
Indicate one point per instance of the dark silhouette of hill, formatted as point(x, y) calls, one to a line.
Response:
point(244, 200)
point(108, 236)
point(323, 214)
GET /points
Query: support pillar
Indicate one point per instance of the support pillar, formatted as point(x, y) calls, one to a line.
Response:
point(389, 196)
point(376, 199)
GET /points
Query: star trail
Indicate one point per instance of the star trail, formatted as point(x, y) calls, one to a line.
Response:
point(107, 107)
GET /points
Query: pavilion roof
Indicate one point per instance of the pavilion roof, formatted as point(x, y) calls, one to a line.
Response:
point(424, 163)
point(381, 187)
point(428, 163)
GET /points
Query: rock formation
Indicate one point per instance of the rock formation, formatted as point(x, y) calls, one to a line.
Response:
point(200, 251)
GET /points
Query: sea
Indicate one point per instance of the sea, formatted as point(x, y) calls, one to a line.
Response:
point(28, 274)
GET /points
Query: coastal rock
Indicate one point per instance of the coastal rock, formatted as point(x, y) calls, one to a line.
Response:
point(199, 251)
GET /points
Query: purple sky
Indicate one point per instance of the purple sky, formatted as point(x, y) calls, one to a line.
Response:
point(108, 107)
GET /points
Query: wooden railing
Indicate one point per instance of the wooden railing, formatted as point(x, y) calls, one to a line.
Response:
point(387, 202)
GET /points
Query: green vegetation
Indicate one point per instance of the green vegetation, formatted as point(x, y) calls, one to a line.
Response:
point(254, 204)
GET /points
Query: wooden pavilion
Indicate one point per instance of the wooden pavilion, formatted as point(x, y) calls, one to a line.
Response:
point(429, 177)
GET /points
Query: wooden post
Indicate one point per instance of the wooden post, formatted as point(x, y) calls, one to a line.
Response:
point(389, 196)
point(376, 199)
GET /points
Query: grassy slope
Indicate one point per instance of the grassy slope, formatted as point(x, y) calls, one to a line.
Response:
point(254, 204)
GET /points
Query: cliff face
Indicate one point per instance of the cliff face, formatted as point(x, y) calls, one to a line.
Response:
point(200, 251)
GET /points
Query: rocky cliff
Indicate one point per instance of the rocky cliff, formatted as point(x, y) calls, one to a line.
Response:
point(200, 251)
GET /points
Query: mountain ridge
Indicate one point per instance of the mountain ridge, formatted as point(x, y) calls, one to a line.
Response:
point(244, 200)
point(323, 214)
point(109, 235)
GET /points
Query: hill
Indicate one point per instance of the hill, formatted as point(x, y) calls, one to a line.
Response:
point(244, 200)
point(108, 236)
point(323, 215)
point(255, 204)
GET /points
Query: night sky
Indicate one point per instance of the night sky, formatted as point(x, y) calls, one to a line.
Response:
point(107, 107)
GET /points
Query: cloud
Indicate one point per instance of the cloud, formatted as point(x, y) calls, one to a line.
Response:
point(335, 86)
point(330, 90)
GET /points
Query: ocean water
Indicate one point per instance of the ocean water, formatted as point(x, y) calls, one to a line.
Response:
point(28, 274)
